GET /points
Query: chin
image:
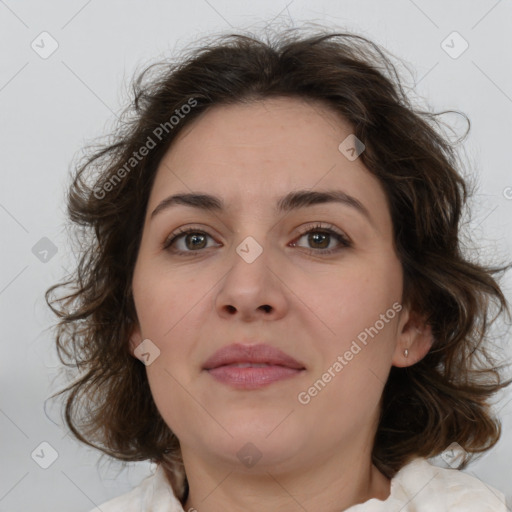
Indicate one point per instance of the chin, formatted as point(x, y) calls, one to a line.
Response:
point(265, 439)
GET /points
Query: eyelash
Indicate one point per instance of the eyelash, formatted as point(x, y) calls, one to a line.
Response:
point(342, 239)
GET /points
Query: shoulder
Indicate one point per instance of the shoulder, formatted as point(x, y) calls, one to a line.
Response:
point(429, 487)
point(153, 494)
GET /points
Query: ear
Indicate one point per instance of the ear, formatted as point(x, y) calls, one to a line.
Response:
point(135, 340)
point(413, 335)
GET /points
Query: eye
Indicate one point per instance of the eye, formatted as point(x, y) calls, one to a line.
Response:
point(192, 238)
point(321, 237)
point(186, 241)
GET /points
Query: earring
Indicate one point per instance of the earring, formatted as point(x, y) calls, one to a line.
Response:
point(406, 353)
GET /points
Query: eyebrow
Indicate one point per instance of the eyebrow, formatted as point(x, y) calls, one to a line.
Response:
point(292, 201)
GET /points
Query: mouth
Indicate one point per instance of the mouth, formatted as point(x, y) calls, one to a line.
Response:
point(251, 366)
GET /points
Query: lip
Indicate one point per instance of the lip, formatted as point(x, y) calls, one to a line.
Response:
point(232, 365)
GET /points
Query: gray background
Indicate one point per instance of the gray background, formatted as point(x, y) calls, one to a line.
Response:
point(50, 107)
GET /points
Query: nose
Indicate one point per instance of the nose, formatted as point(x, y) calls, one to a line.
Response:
point(252, 290)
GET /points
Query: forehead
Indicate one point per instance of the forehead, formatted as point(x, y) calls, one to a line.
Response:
point(261, 132)
point(254, 153)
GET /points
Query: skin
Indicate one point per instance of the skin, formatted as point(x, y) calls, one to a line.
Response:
point(316, 456)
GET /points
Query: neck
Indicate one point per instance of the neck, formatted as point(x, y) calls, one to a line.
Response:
point(327, 484)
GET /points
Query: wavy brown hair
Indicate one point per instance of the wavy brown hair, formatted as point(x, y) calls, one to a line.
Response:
point(441, 399)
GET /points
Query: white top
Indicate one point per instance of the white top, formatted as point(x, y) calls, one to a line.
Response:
point(418, 487)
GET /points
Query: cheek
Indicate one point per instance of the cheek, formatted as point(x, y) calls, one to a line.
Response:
point(164, 300)
point(352, 298)
point(166, 309)
point(347, 384)
point(359, 307)
point(173, 377)
point(170, 397)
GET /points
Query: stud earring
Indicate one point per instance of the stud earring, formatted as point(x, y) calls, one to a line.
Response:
point(406, 353)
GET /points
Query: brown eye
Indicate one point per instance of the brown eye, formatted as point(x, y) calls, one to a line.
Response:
point(196, 240)
point(319, 238)
point(186, 241)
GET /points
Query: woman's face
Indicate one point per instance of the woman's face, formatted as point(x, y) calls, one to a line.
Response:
point(334, 308)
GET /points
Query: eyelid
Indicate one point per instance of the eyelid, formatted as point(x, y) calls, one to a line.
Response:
point(183, 231)
point(324, 226)
point(343, 239)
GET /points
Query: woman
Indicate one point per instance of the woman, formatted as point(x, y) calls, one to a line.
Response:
point(273, 304)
